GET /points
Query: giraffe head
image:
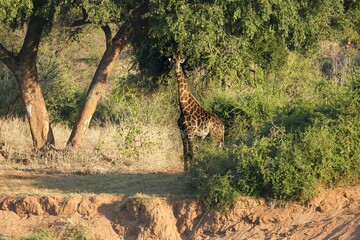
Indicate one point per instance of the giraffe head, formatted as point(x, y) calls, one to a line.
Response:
point(176, 61)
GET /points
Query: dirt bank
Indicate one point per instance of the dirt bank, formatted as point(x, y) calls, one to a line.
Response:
point(334, 214)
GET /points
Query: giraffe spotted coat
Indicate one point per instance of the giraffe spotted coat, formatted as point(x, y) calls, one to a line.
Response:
point(194, 120)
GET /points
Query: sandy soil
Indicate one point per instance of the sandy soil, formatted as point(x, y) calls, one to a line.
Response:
point(333, 214)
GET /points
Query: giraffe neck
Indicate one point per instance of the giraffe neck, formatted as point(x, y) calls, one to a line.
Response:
point(183, 85)
point(184, 90)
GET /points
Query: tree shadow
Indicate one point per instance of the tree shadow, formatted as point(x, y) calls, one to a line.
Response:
point(161, 184)
point(354, 235)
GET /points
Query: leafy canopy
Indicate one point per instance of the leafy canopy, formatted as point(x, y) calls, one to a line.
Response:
point(226, 38)
point(15, 13)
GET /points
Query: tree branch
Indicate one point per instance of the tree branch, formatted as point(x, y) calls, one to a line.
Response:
point(83, 21)
point(133, 24)
point(108, 35)
point(8, 58)
point(122, 36)
point(32, 37)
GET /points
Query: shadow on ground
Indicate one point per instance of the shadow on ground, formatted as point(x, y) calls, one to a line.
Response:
point(161, 184)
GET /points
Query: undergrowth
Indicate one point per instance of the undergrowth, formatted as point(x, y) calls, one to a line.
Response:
point(283, 147)
point(68, 232)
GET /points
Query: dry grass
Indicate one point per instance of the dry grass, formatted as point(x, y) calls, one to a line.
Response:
point(104, 150)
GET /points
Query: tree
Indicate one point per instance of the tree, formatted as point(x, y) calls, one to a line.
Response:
point(129, 15)
point(226, 38)
point(38, 15)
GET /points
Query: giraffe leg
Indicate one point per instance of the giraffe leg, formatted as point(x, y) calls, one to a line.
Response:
point(185, 142)
point(184, 139)
point(190, 140)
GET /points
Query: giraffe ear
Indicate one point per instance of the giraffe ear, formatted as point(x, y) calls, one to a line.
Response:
point(182, 61)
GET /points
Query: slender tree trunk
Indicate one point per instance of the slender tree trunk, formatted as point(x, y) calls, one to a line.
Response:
point(96, 88)
point(114, 46)
point(24, 69)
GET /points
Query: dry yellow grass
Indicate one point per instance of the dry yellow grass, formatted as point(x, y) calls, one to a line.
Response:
point(153, 149)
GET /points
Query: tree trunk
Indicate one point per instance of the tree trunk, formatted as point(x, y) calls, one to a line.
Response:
point(113, 48)
point(36, 111)
point(96, 88)
point(24, 69)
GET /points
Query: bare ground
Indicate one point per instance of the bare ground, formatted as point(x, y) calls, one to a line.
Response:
point(160, 209)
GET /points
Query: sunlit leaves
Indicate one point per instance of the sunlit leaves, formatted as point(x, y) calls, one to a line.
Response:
point(102, 12)
point(14, 12)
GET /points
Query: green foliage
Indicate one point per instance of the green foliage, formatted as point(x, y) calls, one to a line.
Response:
point(226, 38)
point(16, 13)
point(68, 231)
point(131, 101)
point(193, 30)
point(283, 148)
point(213, 179)
point(11, 101)
point(73, 232)
point(128, 114)
point(132, 110)
point(247, 115)
point(101, 12)
point(41, 235)
point(218, 191)
point(62, 99)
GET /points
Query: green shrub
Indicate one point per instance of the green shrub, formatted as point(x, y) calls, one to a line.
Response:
point(62, 98)
point(73, 232)
point(68, 232)
point(129, 103)
point(11, 104)
point(41, 235)
point(213, 179)
point(291, 148)
point(244, 115)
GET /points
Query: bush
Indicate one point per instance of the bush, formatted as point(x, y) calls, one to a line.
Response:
point(213, 179)
point(41, 235)
point(291, 147)
point(243, 115)
point(62, 98)
point(11, 104)
point(68, 231)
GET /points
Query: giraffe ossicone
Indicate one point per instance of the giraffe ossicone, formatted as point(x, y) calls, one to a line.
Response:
point(194, 120)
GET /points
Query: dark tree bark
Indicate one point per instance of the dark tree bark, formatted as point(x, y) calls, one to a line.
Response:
point(23, 66)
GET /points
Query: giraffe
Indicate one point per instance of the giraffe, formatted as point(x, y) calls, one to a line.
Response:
point(194, 120)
